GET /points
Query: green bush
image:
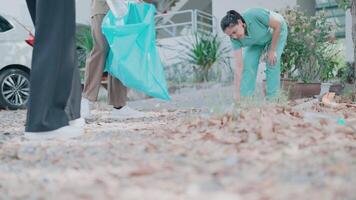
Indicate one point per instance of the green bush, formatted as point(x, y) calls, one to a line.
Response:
point(347, 74)
point(311, 53)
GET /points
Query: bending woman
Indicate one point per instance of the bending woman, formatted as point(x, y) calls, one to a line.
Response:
point(257, 30)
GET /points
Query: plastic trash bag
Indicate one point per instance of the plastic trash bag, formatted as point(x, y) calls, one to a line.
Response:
point(133, 57)
point(118, 7)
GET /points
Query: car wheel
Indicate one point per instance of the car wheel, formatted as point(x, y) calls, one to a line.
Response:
point(14, 89)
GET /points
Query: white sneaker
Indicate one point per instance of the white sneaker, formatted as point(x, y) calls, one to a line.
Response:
point(64, 133)
point(85, 108)
point(127, 113)
point(80, 122)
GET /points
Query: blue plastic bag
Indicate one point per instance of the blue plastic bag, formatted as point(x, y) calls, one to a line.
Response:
point(133, 57)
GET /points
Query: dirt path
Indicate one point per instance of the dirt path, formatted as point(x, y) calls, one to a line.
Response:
point(260, 152)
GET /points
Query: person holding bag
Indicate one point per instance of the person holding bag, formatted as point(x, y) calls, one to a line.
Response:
point(117, 92)
point(138, 65)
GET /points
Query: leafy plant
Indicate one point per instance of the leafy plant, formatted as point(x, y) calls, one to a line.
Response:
point(344, 4)
point(203, 51)
point(347, 74)
point(84, 44)
point(311, 52)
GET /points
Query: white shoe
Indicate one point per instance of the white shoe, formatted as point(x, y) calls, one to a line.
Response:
point(127, 113)
point(80, 122)
point(64, 133)
point(85, 108)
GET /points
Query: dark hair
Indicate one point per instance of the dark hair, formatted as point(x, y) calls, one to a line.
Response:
point(231, 19)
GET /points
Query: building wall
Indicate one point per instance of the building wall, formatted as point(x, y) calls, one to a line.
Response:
point(83, 11)
point(308, 6)
point(349, 42)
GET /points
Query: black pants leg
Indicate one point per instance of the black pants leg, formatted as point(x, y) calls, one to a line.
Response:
point(53, 64)
point(74, 101)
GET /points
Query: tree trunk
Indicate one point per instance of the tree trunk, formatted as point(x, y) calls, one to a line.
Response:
point(353, 14)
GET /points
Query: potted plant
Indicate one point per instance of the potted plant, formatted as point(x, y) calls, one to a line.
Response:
point(309, 56)
point(202, 52)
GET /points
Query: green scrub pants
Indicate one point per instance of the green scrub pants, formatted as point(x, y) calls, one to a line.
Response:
point(251, 59)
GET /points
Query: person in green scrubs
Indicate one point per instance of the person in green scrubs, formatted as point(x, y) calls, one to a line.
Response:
point(257, 31)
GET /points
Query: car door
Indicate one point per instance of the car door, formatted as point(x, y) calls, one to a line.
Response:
point(13, 47)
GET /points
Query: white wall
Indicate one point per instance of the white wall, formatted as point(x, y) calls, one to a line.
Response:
point(349, 43)
point(169, 49)
point(220, 7)
point(83, 11)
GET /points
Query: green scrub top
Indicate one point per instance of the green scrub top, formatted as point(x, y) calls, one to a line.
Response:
point(259, 32)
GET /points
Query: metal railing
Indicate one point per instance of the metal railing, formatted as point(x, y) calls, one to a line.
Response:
point(184, 22)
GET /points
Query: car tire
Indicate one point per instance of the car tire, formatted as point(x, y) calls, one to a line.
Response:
point(14, 89)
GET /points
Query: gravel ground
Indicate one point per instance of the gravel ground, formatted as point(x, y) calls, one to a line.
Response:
point(187, 150)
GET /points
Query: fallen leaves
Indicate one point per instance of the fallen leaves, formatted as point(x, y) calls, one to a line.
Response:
point(142, 171)
point(329, 100)
point(264, 152)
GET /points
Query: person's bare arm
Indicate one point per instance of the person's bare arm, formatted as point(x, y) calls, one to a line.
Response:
point(275, 24)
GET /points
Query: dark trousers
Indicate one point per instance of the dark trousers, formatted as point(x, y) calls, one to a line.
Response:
point(55, 92)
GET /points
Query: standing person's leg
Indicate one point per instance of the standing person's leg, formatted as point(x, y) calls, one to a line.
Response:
point(118, 98)
point(96, 61)
point(251, 60)
point(52, 64)
point(117, 92)
point(73, 104)
point(273, 73)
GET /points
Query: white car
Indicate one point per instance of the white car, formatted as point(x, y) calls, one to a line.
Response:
point(16, 45)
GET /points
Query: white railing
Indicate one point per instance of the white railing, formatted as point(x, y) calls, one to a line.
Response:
point(180, 23)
